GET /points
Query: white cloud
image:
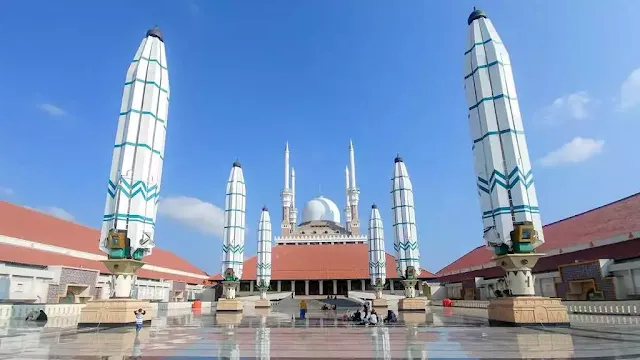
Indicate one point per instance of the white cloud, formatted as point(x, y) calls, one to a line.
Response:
point(5, 191)
point(577, 150)
point(630, 92)
point(52, 110)
point(574, 106)
point(57, 212)
point(200, 215)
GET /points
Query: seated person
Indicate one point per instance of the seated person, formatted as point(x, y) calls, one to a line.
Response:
point(357, 316)
point(334, 307)
point(373, 318)
point(324, 307)
point(391, 317)
point(42, 316)
point(31, 316)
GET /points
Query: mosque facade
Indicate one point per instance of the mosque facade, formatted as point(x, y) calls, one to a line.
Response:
point(322, 249)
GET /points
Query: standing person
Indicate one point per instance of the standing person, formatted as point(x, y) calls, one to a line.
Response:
point(366, 309)
point(303, 309)
point(139, 318)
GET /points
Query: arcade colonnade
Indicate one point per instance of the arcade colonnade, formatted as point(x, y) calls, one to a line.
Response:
point(321, 287)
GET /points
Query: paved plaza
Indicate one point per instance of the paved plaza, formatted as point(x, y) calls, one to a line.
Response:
point(438, 333)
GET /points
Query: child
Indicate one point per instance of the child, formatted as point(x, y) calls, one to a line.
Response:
point(139, 318)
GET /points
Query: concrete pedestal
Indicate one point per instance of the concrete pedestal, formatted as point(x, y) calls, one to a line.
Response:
point(410, 318)
point(412, 304)
point(229, 305)
point(113, 313)
point(527, 311)
point(228, 318)
point(263, 303)
point(380, 303)
point(524, 308)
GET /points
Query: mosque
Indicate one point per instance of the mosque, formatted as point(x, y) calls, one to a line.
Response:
point(320, 253)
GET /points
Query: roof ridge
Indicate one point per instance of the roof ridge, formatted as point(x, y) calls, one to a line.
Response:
point(459, 258)
point(594, 209)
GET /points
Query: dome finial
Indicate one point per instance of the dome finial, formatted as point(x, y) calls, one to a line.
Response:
point(237, 164)
point(264, 208)
point(398, 158)
point(374, 206)
point(155, 32)
point(476, 14)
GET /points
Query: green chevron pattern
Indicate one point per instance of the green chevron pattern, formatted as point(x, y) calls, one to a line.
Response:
point(233, 248)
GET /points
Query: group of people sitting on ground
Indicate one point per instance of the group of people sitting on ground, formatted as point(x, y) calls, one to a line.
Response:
point(370, 316)
point(36, 315)
point(326, 307)
point(332, 297)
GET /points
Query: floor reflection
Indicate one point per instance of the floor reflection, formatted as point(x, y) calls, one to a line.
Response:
point(452, 333)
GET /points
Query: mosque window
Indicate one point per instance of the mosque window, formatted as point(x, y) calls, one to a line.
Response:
point(303, 232)
point(326, 232)
point(315, 232)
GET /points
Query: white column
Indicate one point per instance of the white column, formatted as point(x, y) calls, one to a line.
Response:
point(293, 286)
point(306, 287)
point(335, 287)
point(363, 284)
point(348, 285)
point(251, 286)
point(391, 286)
point(320, 283)
point(279, 285)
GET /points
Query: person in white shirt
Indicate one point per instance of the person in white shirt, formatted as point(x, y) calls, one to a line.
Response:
point(373, 318)
point(139, 318)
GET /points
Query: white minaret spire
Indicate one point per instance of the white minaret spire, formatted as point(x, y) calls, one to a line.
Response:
point(347, 209)
point(404, 226)
point(503, 168)
point(286, 196)
point(352, 164)
point(377, 254)
point(286, 165)
point(263, 264)
point(354, 193)
point(138, 155)
point(234, 227)
point(293, 212)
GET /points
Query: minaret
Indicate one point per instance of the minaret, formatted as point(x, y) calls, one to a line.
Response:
point(263, 264)
point(347, 209)
point(233, 231)
point(377, 254)
point(293, 212)
point(502, 164)
point(129, 219)
point(354, 193)
point(286, 196)
point(404, 227)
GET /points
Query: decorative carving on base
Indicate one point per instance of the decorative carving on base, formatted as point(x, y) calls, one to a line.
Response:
point(229, 289)
point(410, 288)
point(528, 310)
point(123, 276)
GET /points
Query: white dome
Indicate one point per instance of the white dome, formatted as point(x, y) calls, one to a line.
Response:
point(321, 208)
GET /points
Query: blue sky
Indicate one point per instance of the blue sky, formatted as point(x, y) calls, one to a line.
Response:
point(246, 76)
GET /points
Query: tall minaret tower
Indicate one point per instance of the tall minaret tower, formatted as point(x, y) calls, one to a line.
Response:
point(293, 211)
point(286, 196)
point(354, 192)
point(347, 209)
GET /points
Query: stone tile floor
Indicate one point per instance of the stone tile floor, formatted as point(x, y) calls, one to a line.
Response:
point(438, 333)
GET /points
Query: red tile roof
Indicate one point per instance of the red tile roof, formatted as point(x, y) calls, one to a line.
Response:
point(319, 262)
point(608, 221)
point(23, 223)
point(29, 256)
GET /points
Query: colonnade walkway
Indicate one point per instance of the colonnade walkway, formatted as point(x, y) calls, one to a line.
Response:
point(279, 333)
